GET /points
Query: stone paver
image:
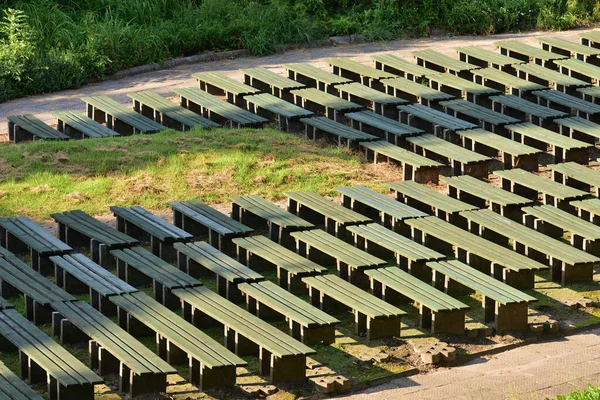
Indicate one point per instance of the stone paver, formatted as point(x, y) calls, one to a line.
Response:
point(536, 371)
point(164, 81)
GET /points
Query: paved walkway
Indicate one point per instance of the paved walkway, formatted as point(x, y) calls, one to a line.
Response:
point(537, 371)
point(164, 81)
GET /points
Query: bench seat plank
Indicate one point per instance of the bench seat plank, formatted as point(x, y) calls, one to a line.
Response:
point(75, 124)
point(28, 127)
point(14, 388)
point(577, 176)
point(340, 131)
point(440, 62)
point(546, 76)
point(567, 47)
point(380, 102)
point(459, 87)
point(150, 223)
point(209, 217)
point(265, 79)
point(580, 70)
point(579, 128)
point(481, 115)
point(324, 103)
point(572, 104)
point(359, 72)
point(485, 58)
point(313, 76)
point(434, 117)
point(565, 221)
point(414, 91)
point(385, 128)
point(217, 84)
point(464, 188)
point(526, 52)
point(277, 106)
point(524, 107)
point(504, 81)
point(104, 109)
point(32, 236)
point(325, 207)
point(443, 148)
point(400, 66)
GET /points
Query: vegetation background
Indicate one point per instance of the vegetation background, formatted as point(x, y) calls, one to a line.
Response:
point(50, 45)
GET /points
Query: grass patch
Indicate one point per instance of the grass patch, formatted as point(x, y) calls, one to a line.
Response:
point(37, 179)
point(592, 393)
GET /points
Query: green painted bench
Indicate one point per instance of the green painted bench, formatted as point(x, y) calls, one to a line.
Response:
point(167, 113)
point(504, 305)
point(437, 61)
point(484, 117)
point(77, 228)
point(527, 53)
point(220, 85)
point(258, 252)
point(375, 100)
point(485, 58)
point(506, 265)
point(505, 82)
point(333, 107)
point(315, 77)
point(513, 154)
point(431, 120)
point(549, 78)
point(588, 209)
point(199, 219)
point(79, 126)
point(21, 235)
point(483, 195)
point(579, 128)
point(400, 66)
point(281, 358)
point(111, 349)
point(22, 128)
point(327, 250)
point(217, 110)
point(524, 110)
point(567, 263)
point(141, 224)
point(568, 104)
point(323, 127)
point(590, 38)
point(377, 206)
point(200, 259)
point(42, 360)
point(13, 388)
point(258, 213)
point(271, 82)
point(372, 316)
point(210, 364)
point(139, 267)
point(414, 92)
point(384, 128)
point(307, 323)
point(570, 49)
point(321, 211)
point(286, 114)
point(577, 176)
point(437, 311)
point(118, 117)
point(580, 70)
point(358, 72)
point(461, 88)
point(591, 93)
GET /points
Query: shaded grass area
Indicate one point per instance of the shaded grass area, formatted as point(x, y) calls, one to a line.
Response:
point(37, 179)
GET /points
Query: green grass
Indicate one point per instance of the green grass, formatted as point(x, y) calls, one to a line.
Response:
point(592, 393)
point(37, 179)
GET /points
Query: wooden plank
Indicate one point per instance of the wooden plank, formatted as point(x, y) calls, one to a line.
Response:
point(441, 147)
point(541, 184)
point(445, 80)
point(517, 49)
point(277, 106)
point(429, 196)
point(578, 172)
point(14, 388)
point(435, 117)
point(399, 66)
point(270, 212)
point(212, 219)
point(311, 73)
point(547, 76)
point(565, 221)
point(326, 100)
point(33, 235)
point(484, 58)
point(581, 70)
point(462, 108)
point(225, 84)
point(493, 76)
point(33, 125)
point(382, 203)
point(270, 78)
point(337, 129)
point(325, 207)
point(151, 224)
point(382, 123)
point(435, 60)
point(567, 102)
point(122, 113)
point(484, 190)
point(527, 107)
point(401, 86)
point(501, 143)
point(566, 47)
point(357, 68)
point(399, 154)
point(547, 136)
point(69, 120)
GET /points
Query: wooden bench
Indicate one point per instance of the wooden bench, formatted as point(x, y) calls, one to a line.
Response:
point(431, 120)
point(21, 235)
point(286, 114)
point(380, 102)
point(505, 82)
point(358, 72)
point(437, 311)
point(211, 365)
point(484, 117)
point(485, 58)
point(524, 110)
point(319, 102)
point(200, 259)
point(139, 267)
point(461, 160)
point(118, 117)
point(372, 316)
point(321, 211)
point(577, 176)
point(217, 110)
point(562, 148)
point(79, 126)
point(590, 38)
point(580, 70)
point(42, 360)
point(139, 223)
point(167, 113)
point(382, 127)
point(555, 223)
point(377, 206)
point(579, 128)
point(549, 78)
point(437, 61)
point(327, 250)
point(307, 323)
point(494, 259)
point(414, 92)
point(568, 104)
point(461, 88)
point(77, 274)
point(588, 209)
point(77, 228)
point(527, 53)
point(429, 201)
point(387, 244)
point(483, 195)
point(567, 263)
point(199, 219)
point(567, 48)
point(533, 186)
point(22, 128)
point(512, 154)
point(502, 304)
point(269, 81)
point(319, 127)
point(219, 85)
point(591, 93)
point(258, 252)
point(111, 349)
point(13, 388)
point(257, 212)
point(281, 358)
point(315, 77)
point(399, 66)
point(18, 278)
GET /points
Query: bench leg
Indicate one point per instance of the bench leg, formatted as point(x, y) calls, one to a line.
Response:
point(216, 377)
point(79, 392)
point(519, 279)
point(385, 327)
point(511, 316)
point(174, 354)
point(577, 273)
point(282, 369)
point(317, 335)
point(449, 322)
point(107, 363)
point(149, 383)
